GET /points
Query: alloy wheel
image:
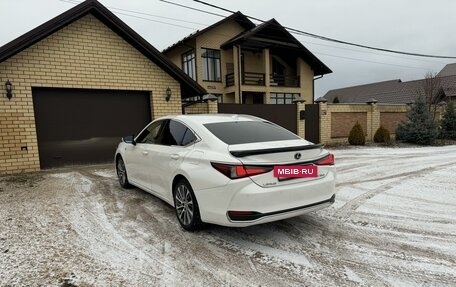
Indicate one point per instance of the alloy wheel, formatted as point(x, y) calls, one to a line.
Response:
point(184, 205)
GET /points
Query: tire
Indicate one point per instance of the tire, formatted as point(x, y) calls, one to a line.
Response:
point(122, 173)
point(186, 206)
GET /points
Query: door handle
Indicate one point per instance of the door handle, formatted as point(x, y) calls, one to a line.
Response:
point(175, 156)
point(145, 152)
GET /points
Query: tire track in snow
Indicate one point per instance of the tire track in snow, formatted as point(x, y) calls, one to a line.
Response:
point(348, 208)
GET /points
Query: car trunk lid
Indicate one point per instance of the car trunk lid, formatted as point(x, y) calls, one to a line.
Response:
point(278, 154)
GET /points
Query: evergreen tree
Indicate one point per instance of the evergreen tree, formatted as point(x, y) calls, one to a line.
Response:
point(419, 127)
point(356, 136)
point(449, 122)
point(382, 135)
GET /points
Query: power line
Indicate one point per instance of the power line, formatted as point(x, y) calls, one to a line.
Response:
point(191, 8)
point(145, 14)
point(370, 52)
point(332, 39)
point(369, 61)
point(199, 10)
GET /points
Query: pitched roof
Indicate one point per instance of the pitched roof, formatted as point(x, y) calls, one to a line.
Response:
point(448, 70)
point(238, 17)
point(114, 23)
point(272, 34)
point(391, 92)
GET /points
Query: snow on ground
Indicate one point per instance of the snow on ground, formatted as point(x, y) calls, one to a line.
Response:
point(393, 224)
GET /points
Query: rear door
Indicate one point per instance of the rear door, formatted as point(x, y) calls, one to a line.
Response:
point(176, 141)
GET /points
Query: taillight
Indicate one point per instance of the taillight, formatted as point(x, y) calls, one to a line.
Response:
point(327, 160)
point(234, 171)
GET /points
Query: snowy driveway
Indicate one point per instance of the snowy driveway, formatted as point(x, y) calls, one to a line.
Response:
point(393, 224)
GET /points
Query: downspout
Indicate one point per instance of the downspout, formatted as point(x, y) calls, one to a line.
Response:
point(239, 74)
point(313, 87)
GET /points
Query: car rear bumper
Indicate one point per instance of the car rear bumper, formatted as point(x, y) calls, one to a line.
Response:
point(291, 211)
point(261, 205)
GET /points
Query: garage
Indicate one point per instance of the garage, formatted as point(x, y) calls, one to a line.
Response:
point(81, 126)
point(79, 82)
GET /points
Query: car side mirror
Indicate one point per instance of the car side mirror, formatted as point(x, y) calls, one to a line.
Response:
point(129, 139)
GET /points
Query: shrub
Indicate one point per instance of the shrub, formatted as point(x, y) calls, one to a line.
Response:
point(419, 127)
point(356, 136)
point(448, 130)
point(336, 100)
point(382, 135)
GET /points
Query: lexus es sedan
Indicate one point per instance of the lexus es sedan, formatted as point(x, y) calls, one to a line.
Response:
point(230, 170)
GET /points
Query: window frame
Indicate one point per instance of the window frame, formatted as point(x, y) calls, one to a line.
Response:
point(186, 63)
point(282, 96)
point(206, 60)
point(160, 131)
point(197, 138)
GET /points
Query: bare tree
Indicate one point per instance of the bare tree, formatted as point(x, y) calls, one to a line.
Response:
point(431, 91)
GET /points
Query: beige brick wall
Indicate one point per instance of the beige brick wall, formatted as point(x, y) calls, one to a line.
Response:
point(210, 107)
point(301, 125)
point(342, 123)
point(336, 120)
point(213, 39)
point(85, 54)
point(199, 108)
point(175, 55)
point(390, 120)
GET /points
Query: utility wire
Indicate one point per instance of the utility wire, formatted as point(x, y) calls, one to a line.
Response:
point(369, 61)
point(370, 52)
point(332, 39)
point(199, 10)
point(191, 8)
point(146, 14)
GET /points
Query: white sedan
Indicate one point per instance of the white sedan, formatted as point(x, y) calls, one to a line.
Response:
point(231, 170)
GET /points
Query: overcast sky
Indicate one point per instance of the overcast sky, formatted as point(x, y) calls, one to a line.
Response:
point(419, 26)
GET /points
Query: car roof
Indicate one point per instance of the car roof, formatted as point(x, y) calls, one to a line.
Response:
point(213, 118)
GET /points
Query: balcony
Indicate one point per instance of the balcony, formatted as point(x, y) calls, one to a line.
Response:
point(252, 79)
point(258, 79)
point(283, 80)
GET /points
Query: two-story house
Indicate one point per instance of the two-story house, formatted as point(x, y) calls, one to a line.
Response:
point(241, 62)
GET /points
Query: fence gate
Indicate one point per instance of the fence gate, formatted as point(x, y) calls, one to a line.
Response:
point(283, 115)
point(312, 123)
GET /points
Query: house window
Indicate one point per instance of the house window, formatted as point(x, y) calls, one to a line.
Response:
point(211, 65)
point(283, 98)
point(189, 64)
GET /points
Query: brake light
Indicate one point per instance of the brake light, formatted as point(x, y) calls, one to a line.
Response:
point(234, 171)
point(327, 160)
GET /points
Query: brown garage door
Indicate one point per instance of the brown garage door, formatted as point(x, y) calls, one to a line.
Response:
point(78, 126)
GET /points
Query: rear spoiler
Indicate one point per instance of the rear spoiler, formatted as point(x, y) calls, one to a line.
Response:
point(242, 153)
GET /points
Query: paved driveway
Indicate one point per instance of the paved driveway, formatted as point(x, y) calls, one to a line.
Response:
point(393, 224)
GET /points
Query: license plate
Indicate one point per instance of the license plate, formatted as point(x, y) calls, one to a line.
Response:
point(295, 171)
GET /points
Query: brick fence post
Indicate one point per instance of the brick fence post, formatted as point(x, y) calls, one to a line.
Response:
point(212, 106)
point(325, 121)
point(300, 123)
point(374, 119)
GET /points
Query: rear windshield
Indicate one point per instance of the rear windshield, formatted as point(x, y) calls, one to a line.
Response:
point(249, 132)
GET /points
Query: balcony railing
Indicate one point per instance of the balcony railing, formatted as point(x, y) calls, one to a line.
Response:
point(229, 79)
point(283, 80)
point(254, 79)
point(258, 79)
